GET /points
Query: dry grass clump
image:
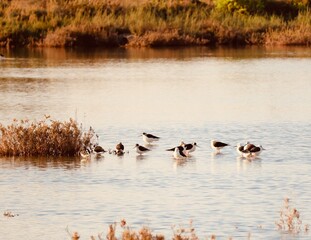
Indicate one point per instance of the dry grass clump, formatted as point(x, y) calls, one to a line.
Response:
point(43, 138)
point(183, 233)
point(144, 233)
point(290, 219)
point(72, 235)
point(289, 36)
point(295, 32)
point(78, 35)
point(166, 38)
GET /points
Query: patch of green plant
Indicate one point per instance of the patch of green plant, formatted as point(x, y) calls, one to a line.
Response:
point(240, 6)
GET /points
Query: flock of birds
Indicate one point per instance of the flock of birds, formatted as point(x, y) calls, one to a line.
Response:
point(182, 151)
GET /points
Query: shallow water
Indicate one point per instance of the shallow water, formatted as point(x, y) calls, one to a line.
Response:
point(234, 95)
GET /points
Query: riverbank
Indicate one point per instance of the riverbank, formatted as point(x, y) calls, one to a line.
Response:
point(92, 23)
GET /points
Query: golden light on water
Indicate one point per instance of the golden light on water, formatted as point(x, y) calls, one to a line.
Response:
point(190, 95)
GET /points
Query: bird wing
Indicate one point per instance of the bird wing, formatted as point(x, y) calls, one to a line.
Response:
point(151, 136)
point(120, 147)
point(249, 146)
point(141, 148)
point(188, 146)
point(171, 149)
point(255, 149)
point(220, 144)
point(98, 149)
point(182, 153)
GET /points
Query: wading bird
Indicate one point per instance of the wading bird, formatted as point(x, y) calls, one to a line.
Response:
point(190, 147)
point(119, 149)
point(255, 151)
point(149, 138)
point(140, 149)
point(218, 145)
point(86, 153)
point(178, 153)
point(182, 144)
point(98, 150)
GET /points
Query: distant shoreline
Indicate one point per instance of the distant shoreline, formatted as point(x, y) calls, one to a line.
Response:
point(142, 23)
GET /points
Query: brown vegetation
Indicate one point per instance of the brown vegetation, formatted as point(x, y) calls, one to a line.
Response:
point(145, 233)
point(43, 138)
point(290, 219)
point(152, 23)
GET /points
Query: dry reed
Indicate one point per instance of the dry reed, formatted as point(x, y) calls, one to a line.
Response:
point(127, 233)
point(182, 233)
point(290, 219)
point(72, 235)
point(145, 233)
point(46, 137)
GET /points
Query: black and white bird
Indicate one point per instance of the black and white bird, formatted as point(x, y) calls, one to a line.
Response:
point(86, 153)
point(248, 146)
point(119, 149)
point(218, 145)
point(99, 150)
point(179, 153)
point(190, 147)
point(255, 151)
point(182, 144)
point(141, 149)
point(241, 151)
point(149, 138)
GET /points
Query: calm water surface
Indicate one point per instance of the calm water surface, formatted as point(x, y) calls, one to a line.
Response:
point(257, 95)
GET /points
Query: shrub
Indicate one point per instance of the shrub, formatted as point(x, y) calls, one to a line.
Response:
point(290, 219)
point(241, 6)
point(43, 138)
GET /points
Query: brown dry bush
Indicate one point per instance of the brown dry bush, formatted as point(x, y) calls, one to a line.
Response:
point(83, 34)
point(127, 233)
point(165, 38)
point(144, 233)
point(46, 137)
point(290, 36)
point(290, 219)
point(183, 233)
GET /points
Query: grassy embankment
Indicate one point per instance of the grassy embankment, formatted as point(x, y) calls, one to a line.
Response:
point(151, 23)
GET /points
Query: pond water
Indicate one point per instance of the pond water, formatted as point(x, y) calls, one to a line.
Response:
point(195, 95)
